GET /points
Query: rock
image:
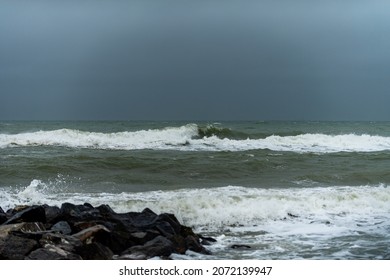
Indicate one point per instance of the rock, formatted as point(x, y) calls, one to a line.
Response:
point(62, 227)
point(206, 240)
point(64, 242)
point(76, 213)
point(95, 251)
point(51, 252)
point(5, 230)
point(84, 232)
point(292, 215)
point(51, 213)
point(30, 214)
point(15, 247)
point(88, 234)
point(159, 246)
point(3, 216)
point(240, 246)
point(193, 244)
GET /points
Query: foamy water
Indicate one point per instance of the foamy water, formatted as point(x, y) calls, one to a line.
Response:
point(277, 218)
point(285, 190)
point(185, 138)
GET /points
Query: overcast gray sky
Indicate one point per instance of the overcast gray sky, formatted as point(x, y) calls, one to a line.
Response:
point(195, 59)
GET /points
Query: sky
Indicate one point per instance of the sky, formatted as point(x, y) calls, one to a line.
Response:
point(195, 60)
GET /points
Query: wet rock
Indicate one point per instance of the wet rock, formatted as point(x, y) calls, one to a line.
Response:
point(85, 232)
point(88, 234)
point(23, 228)
point(15, 247)
point(95, 251)
point(64, 242)
point(240, 246)
point(30, 214)
point(51, 213)
point(3, 216)
point(207, 240)
point(62, 227)
point(194, 244)
point(292, 215)
point(159, 246)
point(51, 252)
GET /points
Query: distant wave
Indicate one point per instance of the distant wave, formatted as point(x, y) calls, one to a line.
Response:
point(192, 137)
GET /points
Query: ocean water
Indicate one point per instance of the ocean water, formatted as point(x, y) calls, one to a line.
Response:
point(286, 190)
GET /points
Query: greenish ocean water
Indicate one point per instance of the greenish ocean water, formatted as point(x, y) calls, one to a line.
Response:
point(289, 190)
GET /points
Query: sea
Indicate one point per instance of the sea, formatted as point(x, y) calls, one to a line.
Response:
point(262, 189)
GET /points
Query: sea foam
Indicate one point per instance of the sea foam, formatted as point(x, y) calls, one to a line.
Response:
point(226, 206)
point(188, 138)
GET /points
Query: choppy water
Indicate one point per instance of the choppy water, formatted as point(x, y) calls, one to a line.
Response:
point(289, 190)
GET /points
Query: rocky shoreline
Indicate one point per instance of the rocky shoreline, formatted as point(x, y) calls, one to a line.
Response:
point(77, 232)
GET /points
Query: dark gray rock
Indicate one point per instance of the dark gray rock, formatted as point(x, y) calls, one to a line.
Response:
point(85, 232)
point(88, 234)
point(3, 218)
point(62, 227)
point(240, 246)
point(51, 252)
point(52, 213)
point(95, 251)
point(65, 242)
point(30, 214)
point(15, 247)
point(159, 246)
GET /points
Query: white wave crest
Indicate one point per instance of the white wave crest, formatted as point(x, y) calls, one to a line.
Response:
point(224, 206)
point(304, 143)
point(143, 139)
point(186, 138)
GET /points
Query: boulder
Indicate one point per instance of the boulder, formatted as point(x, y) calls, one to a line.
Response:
point(51, 252)
point(52, 213)
point(62, 227)
point(66, 242)
point(15, 247)
point(3, 216)
point(30, 214)
point(88, 234)
point(159, 246)
point(85, 232)
point(95, 251)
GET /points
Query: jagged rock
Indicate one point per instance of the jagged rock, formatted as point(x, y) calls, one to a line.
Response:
point(205, 240)
point(5, 230)
point(3, 216)
point(95, 251)
point(15, 247)
point(30, 214)
point(50, 252)
point(84, 232)
point(194, 244)
point(77, 213)
point(240, 246)
point(52, 213)
point(62, 227)
point(159, 246)
point(179, 244)
point(88, 234)
point(65, 242)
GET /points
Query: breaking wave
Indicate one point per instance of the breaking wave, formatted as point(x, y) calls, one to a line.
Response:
point(192, 137)
point(226, 206)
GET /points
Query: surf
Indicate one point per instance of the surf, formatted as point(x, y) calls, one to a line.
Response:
point(193, 137)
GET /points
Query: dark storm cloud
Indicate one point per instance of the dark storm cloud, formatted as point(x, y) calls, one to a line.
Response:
point(194, 59)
